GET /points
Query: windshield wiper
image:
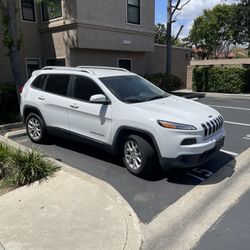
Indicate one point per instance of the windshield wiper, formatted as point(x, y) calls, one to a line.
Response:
point(133, 100)
point(156, 97)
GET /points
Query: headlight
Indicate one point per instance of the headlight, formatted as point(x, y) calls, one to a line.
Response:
point(174, 125)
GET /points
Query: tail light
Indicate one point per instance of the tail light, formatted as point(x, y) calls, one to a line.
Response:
point(20, 88)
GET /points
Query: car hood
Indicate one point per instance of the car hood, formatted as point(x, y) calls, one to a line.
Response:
point(178, 109)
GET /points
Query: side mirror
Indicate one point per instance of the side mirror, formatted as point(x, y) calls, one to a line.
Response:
point(101, 99)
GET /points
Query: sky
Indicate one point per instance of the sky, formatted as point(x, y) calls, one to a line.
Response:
point(192, 10)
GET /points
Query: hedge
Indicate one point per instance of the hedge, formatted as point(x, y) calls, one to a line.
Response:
point(166, 82)
point(221, 79)
point(9, 107)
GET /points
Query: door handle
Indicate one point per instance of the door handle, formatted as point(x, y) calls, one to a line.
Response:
point(41, 98)
point(74, 106)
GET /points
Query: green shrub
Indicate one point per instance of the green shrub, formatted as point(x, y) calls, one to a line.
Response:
point(166, 82)
point(18, 168)
point(221, 79)
point(9, 107)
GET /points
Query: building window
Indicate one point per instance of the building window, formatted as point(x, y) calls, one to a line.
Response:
point(125, 64)
point(28, 10)
point(32, 65)
point(55, 62)
point(51, 9)
point(133, 13)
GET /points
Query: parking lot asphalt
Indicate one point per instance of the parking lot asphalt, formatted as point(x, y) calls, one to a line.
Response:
point(149, 197)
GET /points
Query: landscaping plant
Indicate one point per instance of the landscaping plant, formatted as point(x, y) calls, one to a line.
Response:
point(18, 168)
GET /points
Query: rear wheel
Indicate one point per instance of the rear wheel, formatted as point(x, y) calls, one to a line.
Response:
point(35, 128)
point(138, 155)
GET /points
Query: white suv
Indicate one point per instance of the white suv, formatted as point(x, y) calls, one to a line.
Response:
point(123, 113)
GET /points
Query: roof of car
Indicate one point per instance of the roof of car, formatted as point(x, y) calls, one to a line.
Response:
point(98, 71)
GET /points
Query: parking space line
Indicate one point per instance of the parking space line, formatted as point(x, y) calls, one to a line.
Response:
point(238, 123)
point(229, 152)
point(227, 107)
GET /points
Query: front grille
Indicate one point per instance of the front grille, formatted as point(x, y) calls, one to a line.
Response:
point(212, 126)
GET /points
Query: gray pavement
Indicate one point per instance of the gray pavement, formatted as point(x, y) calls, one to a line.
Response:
point(231, 231)
point(69, 211)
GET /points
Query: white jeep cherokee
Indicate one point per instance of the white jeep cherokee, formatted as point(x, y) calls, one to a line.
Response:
point(123, 113)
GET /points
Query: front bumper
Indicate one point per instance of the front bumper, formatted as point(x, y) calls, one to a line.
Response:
point(192, 160)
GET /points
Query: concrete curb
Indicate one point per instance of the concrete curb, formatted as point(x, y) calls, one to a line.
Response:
point(211, 94)
point(11, 126)
point(195, 212)
point(16, 133)
point(134, 233)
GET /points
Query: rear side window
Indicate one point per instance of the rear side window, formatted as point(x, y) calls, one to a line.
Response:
point(84, 88)
point(57, 84)
point(38, 82)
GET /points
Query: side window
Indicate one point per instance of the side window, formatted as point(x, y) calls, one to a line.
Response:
point(84, 88)
point(38, 82)
point(57, 84)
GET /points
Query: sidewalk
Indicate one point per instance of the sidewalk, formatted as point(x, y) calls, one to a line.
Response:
point(70, 211)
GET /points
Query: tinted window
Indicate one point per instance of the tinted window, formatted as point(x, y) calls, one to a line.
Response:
point(84, 88)
point(57, 84)
point(38, 82)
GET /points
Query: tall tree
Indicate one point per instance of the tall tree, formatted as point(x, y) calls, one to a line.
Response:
point(12, 38)
point(172, 13)
point(215, 31)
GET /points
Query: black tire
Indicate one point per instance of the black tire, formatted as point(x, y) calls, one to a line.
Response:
point(147, 156)
point(39, 125)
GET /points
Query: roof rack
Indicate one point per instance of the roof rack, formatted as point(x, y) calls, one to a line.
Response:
point(68, 68)
point(102, 67)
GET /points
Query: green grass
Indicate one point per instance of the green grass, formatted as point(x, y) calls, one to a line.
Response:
point(19, 168)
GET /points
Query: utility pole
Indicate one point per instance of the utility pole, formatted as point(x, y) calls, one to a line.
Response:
point(168, 38)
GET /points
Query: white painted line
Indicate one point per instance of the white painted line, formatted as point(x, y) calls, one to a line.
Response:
point(196, 177)
point(247, 137)
point(227, 107)
point(229, 152)
point(237, 123)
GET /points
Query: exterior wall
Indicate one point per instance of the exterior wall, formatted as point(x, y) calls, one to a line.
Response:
point(218, 63)
point(107, 58)
point(156, 61)
point(106, 27)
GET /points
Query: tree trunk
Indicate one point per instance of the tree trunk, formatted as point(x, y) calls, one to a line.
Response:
point(14, 48)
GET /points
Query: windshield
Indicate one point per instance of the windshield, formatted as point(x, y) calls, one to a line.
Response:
point(133, 88)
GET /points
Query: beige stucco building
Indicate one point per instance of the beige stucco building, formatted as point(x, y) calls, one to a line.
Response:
point(91, 32)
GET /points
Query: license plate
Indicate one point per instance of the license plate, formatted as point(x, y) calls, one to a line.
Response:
point(220, 142)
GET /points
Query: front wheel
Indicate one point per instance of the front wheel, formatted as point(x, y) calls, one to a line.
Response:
point(138, 155)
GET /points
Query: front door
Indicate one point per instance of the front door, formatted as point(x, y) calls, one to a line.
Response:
point(88, 119)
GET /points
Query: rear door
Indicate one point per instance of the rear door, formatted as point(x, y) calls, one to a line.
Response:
point(88, 119)
point(54, 101)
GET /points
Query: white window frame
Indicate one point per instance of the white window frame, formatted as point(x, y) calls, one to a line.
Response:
point(21, 13)
point(26, 64)
point(128, 59)
point(134, 24)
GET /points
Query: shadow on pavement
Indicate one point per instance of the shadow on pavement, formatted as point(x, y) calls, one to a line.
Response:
point(189, 176)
